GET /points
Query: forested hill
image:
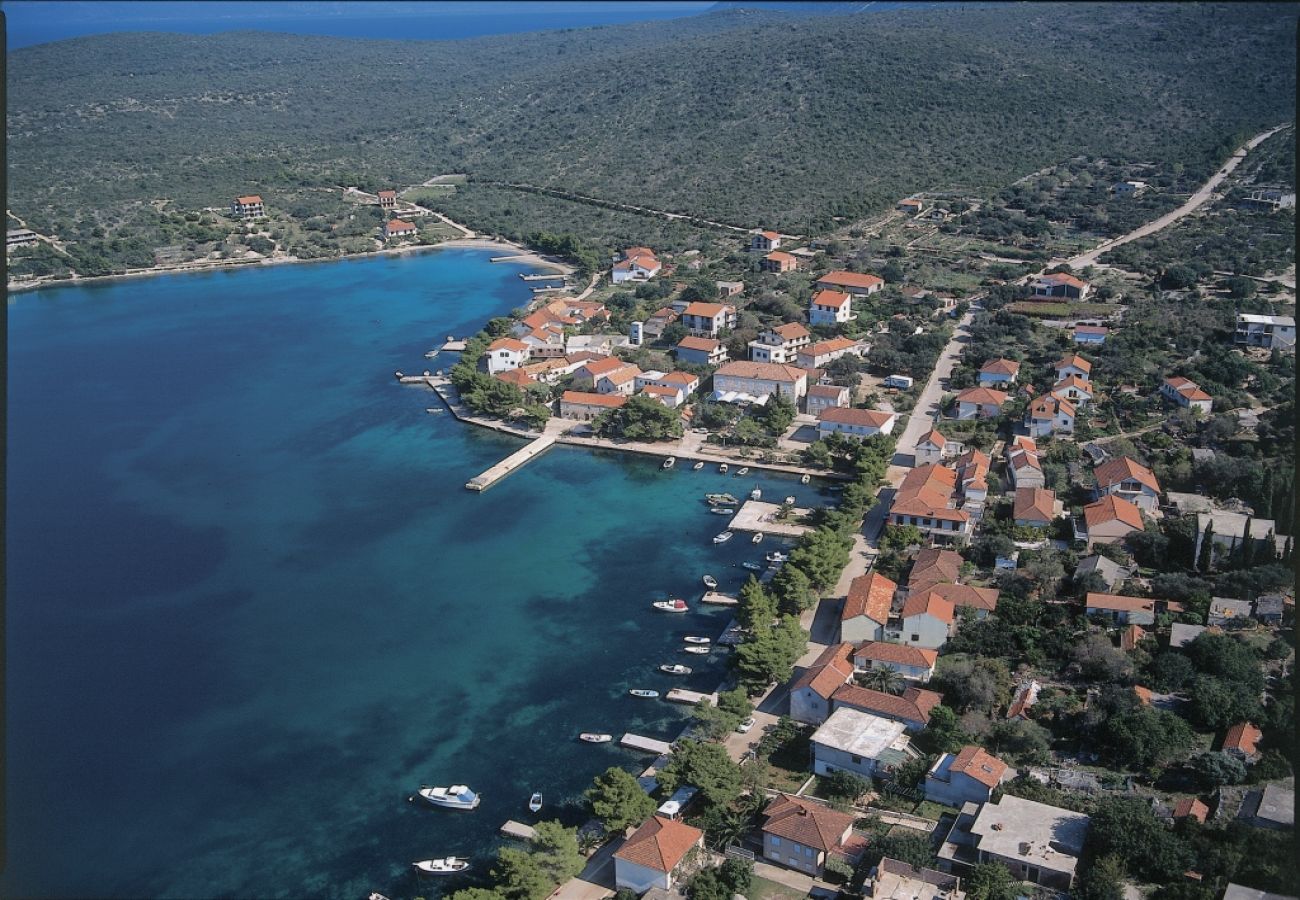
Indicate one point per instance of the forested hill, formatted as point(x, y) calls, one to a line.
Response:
point(743, 116)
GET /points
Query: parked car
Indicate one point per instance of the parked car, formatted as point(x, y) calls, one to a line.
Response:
point(743, 727)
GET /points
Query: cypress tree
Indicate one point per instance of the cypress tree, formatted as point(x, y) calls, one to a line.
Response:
point(1266, 494)
point(1247, 544)
point(1206, 556)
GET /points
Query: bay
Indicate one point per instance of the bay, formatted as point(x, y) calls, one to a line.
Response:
point(251, 606)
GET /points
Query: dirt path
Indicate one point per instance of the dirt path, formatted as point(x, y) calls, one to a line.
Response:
point(1194, 202)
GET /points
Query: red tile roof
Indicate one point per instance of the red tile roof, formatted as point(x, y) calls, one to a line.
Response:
point(515, 376)
point(828, 391)
point(1073, 381)
point(965, 595)
point(869, 418)
point(898, 654)
point(763, 371)
point(1130, 636)
point(933, 566)
point(507, 343)
point(770, 235)
point(834, 299)
point(979, 764)
point(828, 671)
point(929, 603)
point(915, 705)
point(1035, 504)
point(791, 331)
point(612, 401)
point(1191, 807)
point(1047, 406)
point(604, 366)
point(659, 844)
point(831, 345)
point(708, 345)
point(982, 396)
point(1074, 359)
point(870, 596)
point(1119, 602)
point(805, 822)
point(926, 491)
point(388, 193)
point(1112, 509)
point(682, 378)
point(782, 257)
point(399, 225)
point(933, 437)
point(1121, 469)
point(1091, 329)
point(851, 279)
point(1244, 737)
point(249, 200)
point(704, 310)
point(1062, 278)
point(1000, 366)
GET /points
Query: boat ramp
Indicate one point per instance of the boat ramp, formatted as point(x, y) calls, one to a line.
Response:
point(649, 745)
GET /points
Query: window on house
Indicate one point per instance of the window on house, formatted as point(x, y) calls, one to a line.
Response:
point(776, 841)
point(916, 638)
point(856, 759)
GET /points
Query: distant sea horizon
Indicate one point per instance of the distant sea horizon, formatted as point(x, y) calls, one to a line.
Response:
point(30, 24)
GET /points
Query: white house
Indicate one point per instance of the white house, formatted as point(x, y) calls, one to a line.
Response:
point(980, 402)
point(1075, 389)
point(866, 608)
point(859, 423)
point(1059, 286)
point(758, 379)
point(1048, 415)
point(814, 356)
point(801, 834)
point(780, 344)
point(912, 663)
point(968, 776)
point(926, 499)
point(650, 857)
point(707, 319)
point(1129, 188)
point(928, 619)
point(1130, 480)
point(821, 397)
point(620, 381)
point(912, 708)
point(1073, 364)
point(1035, 507)
point(858, 742)
point(1090, 334)
point(1037, 842)
point(1110, 520)
point(1187, 394)
point(506, 353)
point(766, 241)
point(636, 264)
point(997, 372)
point(249, 207)
point(934, 448)
point(590, 372)
point(1264, 331)
point(397, 228)
point(699, 351)
point(830, 308)
point(810, 693)
point(585, 407)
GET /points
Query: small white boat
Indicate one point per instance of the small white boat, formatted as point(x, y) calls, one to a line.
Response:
point(777, 556)
point(790, 500)
point(592, 737)
point(720, 500)
point(755, 494)
point(670, 462)
point(805, 479)
point(710, 582)
point(722, 467)
point(446, 866)
point(752, 566)
point(699, 465)
point(535, 801)
point(757, 538)
point(722, 511)
point(455, 797)
point(695, 639)
point(375, 895)
point(701, 651)
point(642, 692)
point(722, 538)
point(675, 669)
point(675, 605)
point(744, 470)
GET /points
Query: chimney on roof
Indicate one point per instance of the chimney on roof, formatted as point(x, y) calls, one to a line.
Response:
point(1025, 847)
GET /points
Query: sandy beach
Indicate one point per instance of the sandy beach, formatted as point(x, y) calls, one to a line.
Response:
point(515, 252)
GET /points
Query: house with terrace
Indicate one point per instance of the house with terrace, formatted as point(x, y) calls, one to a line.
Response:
point(1048, 415)
point(780, 343)
point(708, 319)
point(1073, 364)
point(998, 372)
point(927, 499)
point(1129, 480)
point(759, 380)
point(912, 663)
point(811, 691)
point(652, 855)
point(933, 447)
point(818, 355)
point(802, 834)
point(506, 353)
point(980, 403)
point(1187, 394)
point(855, 423)
point(968, 776)
point(866, 745)
point(635, 264)
point(1059, 286)
point(829, 307)
point(699, 351)
point(1074, 388)
point(911, 709)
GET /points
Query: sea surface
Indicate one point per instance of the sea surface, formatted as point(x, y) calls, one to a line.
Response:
point(42, 21)
point(251, 607)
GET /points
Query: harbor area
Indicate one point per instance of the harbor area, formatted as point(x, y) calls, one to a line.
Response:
point(759, 515)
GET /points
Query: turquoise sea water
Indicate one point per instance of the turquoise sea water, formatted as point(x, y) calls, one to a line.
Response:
point(251, 606)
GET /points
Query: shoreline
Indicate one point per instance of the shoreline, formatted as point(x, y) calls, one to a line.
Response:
point(517, 253)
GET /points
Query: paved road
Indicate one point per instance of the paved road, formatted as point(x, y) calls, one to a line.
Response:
point(1195, 202)
point(927, 405)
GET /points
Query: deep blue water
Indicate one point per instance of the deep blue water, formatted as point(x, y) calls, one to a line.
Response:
point(42, 22)
point(251, 606)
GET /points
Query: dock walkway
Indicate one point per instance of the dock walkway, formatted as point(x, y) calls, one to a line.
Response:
point(719, 598)
point(649, 745)
point(756, 515)
point(510, 463)
point(681, 695)
point(518, 830)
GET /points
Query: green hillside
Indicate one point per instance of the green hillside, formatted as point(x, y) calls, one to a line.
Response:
point(740, 116)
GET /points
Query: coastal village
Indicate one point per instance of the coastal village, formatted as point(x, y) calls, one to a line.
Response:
point(1049, 656)
point(1040, 646)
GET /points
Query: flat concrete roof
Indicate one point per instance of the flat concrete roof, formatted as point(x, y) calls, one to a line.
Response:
point(1032, 832)
point(858, 733)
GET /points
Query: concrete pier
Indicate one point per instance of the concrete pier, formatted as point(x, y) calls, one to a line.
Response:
point(518, 830)
point(649, 745)
point(681, 695)
point(720, 599)
point(756, 515)
point(510, 463)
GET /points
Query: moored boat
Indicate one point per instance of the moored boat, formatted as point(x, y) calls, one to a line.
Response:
point(675, 605)
point(777, 556)
point(592, 737)
point(695, 639)
point(675, 669)
point(744, 470)
point(722, 467)
point(446, 866)
point(535, 801)
point(805, 479)
point(722, 511)
point(790, 500)
point(642, 692)
point(699, 465)
point(720, 499)
point(722, 538)
point(757, 538)
point(458, 796)
point(699, 651)
point(710, 582)
point(670, 462)
point(755, 494)
point(752, 566)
